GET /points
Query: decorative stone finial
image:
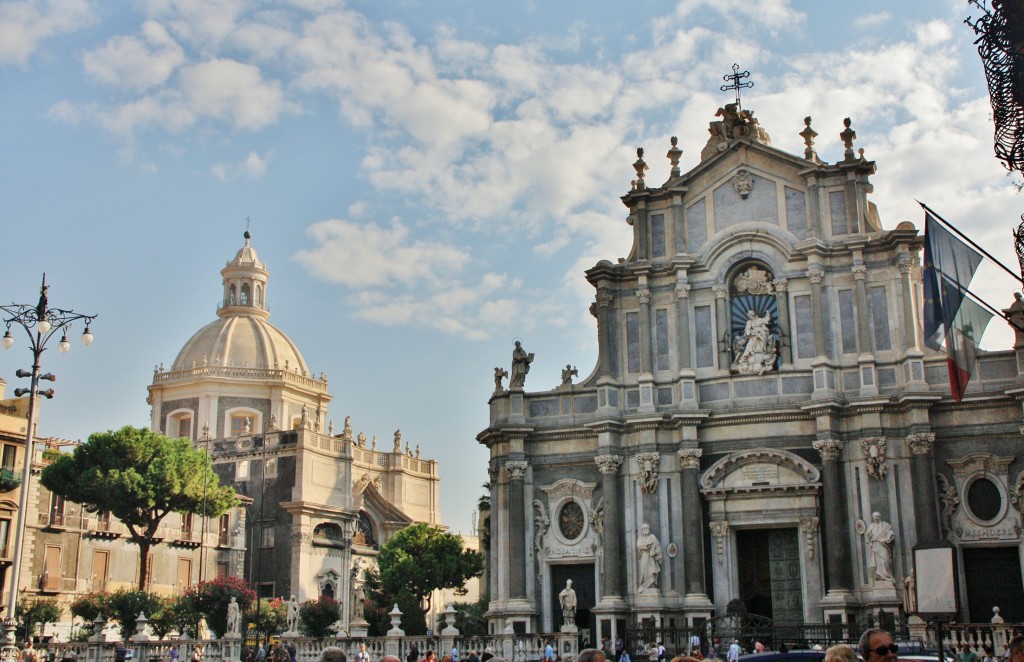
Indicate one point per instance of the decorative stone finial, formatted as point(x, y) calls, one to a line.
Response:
point(848, 136)
point(673, 156)
point(641, 167)
point(809, 134)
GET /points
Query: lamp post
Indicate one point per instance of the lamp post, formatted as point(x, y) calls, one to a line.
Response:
point(40, 323)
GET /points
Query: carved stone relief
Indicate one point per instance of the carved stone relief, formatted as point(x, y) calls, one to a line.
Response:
point(874, 456)
point(719, 530)
point(648, 466)
point(809, 525)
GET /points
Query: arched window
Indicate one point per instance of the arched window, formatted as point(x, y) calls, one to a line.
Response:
point(245, 294)
point(366, 530)
point(231, 295)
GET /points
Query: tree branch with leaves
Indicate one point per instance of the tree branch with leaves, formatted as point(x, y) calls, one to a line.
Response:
point(140, 477)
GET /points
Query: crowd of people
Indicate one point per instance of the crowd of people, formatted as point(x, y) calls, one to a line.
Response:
point(875, 645)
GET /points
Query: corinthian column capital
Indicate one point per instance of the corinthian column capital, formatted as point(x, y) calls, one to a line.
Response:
point(689, 458)
point(516, 470)
point(829, 448)
point(921, 443)
point(608, 464)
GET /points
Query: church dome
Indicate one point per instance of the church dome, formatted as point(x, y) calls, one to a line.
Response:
point(241, 341)
point(242, 337)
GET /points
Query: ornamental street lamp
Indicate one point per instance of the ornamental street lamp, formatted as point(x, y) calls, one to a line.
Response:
point(40, 323)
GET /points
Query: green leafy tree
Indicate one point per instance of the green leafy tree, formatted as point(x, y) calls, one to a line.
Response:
point(272, 616)
point(420, 559)
point(29, 613)
point(140, 477)
point(125, 605)
point(90, 605)
point(469, 618)
point(211, 598)
point(317, 616)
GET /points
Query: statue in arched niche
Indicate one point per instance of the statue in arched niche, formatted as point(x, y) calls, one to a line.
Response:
point(754, 321)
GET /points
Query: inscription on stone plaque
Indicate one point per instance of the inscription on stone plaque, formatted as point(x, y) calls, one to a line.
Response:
point(761, 474)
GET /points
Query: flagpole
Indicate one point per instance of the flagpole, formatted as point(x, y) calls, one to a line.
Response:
point(969, 241)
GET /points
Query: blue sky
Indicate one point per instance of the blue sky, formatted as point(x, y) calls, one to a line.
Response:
point(426, 180)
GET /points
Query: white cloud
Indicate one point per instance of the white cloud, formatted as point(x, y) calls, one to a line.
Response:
point(25, 24)
point(203, 23)
point(394, 279)
point(772, 15)
point(136, 63)
point(253, 166)
point(232, 91)
point(366, 254)
point(872, 21)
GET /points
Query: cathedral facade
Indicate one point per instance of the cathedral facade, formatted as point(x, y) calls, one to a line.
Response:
point(764, 423)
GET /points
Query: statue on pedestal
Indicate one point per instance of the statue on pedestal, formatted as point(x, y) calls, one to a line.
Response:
point(567, 598)
point(234, 623)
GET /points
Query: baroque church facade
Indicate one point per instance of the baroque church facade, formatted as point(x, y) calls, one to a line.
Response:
point(323, 500)
point(763, 424)
point(317, 502)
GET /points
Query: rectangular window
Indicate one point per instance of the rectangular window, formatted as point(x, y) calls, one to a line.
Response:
point(5, 538)
point(880, 318)
point(56, 509)
point(271, 468)
point(185, 427)
point(222, 569)
point(657, 235)
point(186, 526)
point(704, 336)
point(847, 322)
point(661, 333)
point(100, 569)
point(50, 581)
point(265, 589)
point(242, 471)
point(804, 327)
point(224, 530)
point(241, 424)
point(10, 453)
point(632, 342)
point(184, 573)
point(267, 538)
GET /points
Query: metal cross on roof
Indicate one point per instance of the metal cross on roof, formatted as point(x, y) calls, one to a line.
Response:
point(736, 76)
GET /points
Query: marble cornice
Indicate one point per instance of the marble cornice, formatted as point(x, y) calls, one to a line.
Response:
point(718, 420)
point(990, 402)
point(562, 435)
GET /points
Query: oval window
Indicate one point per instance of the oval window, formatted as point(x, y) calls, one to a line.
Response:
point(984, 499)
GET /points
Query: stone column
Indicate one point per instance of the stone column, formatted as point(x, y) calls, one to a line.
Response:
point(782, 298)
point(816, 275)
point(602, 311)
point(923, 481)
point(683, 321)
point(679, 225)
point(492, 550)
point(905, 262)
point(724, 334)
point(643, 295)
point(864, 344)
point(516, 529)
point(614, 559)
point(693, 540)
point(840, 571)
